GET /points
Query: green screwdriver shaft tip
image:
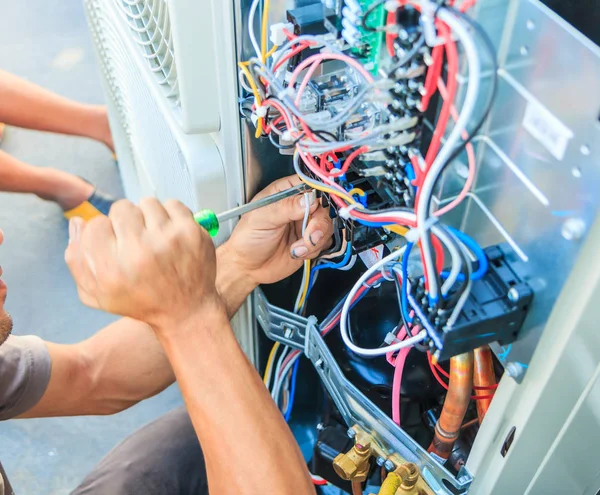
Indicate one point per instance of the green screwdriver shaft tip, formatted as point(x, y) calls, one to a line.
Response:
point(208, 220)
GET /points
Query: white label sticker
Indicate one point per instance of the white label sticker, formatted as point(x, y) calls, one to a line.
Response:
point(547, 129)
point(372, 256)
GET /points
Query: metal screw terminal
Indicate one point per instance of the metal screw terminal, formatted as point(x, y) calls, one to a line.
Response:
point(513, 295)
point(389, 465)
point(514, 370)
point(351, 433)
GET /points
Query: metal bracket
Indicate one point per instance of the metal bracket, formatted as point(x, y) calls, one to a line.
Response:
point(356, 409)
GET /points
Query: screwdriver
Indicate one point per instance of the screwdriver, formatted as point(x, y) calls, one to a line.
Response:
point(211, 221)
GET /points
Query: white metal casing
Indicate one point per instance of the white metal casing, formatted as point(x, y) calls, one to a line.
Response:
point(166, 123)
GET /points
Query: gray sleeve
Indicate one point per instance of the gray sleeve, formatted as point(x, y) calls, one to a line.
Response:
point(24, 374)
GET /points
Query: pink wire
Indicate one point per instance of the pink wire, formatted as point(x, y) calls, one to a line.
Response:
point(399, 368)
point(470, 154)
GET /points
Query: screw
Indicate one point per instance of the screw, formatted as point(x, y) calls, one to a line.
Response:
point(514, 370)
point(585, 150)
point(524, 50)
point(380, 461)
point(351, 433)
point(389, 465)
point(530, 24)
point(513, 295)
point(573, 229)
point(576, 171)
point(320, 427)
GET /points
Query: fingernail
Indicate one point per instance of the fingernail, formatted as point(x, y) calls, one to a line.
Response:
point(311, 198)
point(299, 251)
point(73, 230)
point(315, 237)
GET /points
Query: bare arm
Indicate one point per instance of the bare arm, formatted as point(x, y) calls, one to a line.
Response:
point(232, 411)
point(123, 363)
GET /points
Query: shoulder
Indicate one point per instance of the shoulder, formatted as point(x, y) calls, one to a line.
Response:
point(25, 372)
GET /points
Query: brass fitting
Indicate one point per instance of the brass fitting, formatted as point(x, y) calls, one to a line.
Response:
point(354, 464)
point(409, 474)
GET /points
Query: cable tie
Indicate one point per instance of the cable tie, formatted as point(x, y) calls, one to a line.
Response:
point(390, 338)
point(261, 111)
point(345, 212)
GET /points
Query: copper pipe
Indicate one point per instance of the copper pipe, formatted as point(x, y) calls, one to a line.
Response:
point(455, 405)
point(357, 488)
point(483, 376)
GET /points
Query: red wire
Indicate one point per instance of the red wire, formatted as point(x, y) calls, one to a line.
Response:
point(295, 51)
point(434, 371)
point(319, 482)
point(444, 117)
point(349, 160)
point(389, 36)
point(433, 73)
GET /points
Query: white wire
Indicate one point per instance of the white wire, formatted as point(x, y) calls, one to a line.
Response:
point(456, 260)
point(305, 273)
point(251, 32)
point(346, 309)
point(280, 379)
point(277, 373)
point(462, 33)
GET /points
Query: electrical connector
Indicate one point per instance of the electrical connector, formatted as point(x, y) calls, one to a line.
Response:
point(278, 36)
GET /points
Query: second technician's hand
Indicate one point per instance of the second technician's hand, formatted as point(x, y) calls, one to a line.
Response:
point(279, 226)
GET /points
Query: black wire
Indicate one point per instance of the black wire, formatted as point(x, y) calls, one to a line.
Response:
point(367, 14)
point(337, 245)
point(325, 133)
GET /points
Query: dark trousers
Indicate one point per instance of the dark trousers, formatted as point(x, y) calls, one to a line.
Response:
point(163, 458)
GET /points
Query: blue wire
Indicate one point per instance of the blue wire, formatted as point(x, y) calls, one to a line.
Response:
point(476, 250)
point(288, 412)
point(404, 307)
point(341, 264)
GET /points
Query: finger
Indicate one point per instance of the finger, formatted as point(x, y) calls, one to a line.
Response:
point(283, 212)
point(155, 214)
point(319, 229)
point(127, 220)
point(99, 246)
point(177, 210)
point(282, 184)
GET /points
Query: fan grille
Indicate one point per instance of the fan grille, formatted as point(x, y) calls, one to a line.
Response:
point(150, 25)
point(150, 151)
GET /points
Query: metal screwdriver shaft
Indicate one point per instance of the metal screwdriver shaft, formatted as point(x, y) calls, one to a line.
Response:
point(211, 221)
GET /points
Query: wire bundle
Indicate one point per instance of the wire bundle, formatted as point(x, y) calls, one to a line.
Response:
point(328, 144)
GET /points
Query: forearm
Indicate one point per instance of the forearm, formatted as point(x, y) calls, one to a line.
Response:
point(28, 105)
point(123, 363)
point(232, 412)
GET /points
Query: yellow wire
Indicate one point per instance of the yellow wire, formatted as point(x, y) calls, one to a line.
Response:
point(270, 361)
point(397, 229)
point(305, 288)
point(272, 51)
point(357, 190)
point(244, 69)
point(265, 21)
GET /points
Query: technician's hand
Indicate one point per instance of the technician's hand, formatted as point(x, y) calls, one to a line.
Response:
point(267, 244)
point(152, 262)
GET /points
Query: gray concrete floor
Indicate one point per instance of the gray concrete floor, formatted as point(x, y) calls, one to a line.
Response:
point(48, 43)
